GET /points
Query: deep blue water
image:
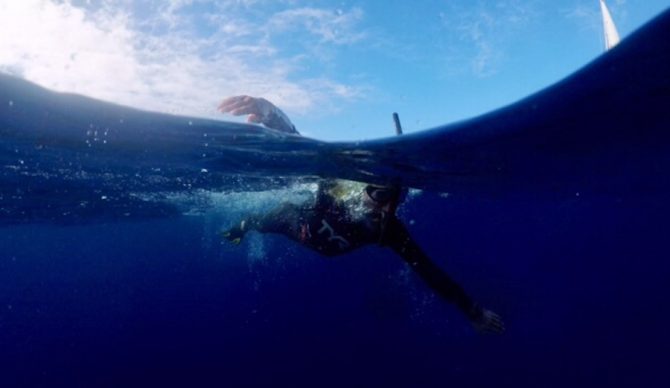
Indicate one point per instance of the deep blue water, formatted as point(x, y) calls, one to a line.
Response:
point(581, 285)
point(112, 272)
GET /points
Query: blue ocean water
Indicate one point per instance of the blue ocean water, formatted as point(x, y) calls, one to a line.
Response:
point(580, 283)
point(552, 212)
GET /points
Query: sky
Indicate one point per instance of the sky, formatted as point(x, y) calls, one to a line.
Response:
point(339, 69)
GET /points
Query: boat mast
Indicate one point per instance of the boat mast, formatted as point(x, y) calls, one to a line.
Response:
point(611, 34)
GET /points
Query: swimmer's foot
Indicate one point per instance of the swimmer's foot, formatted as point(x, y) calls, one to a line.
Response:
point(234, 234)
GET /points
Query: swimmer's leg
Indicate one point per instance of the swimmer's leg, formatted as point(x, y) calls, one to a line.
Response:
point(285, 219)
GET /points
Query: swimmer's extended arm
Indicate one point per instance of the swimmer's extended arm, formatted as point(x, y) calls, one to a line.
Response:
point(260, 111)
point(398, 238)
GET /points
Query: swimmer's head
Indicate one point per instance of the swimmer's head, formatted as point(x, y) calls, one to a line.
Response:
point(381, 195)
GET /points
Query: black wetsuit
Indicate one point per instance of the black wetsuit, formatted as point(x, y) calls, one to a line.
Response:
point(327, 228)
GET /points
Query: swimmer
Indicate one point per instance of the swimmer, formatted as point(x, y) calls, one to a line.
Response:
point(348, 215)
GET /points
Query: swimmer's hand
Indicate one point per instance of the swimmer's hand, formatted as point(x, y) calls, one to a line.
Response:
point(234, 234)
point(488, 322)
point(259, 111)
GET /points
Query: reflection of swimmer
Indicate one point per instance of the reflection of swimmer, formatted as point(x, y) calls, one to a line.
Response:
point(348, 215)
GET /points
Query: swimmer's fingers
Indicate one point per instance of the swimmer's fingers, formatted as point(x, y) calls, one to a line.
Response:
point(259, 111)
point(246, 105)
point(237, 105)
point(490, 323)
point(496, 326)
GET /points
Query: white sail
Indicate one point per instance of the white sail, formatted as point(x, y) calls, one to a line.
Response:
point(611, 34)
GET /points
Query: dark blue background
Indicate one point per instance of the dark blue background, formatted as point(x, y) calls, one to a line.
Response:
point(581, 284)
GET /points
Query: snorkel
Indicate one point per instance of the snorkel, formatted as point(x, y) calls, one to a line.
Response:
point(394, 194)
